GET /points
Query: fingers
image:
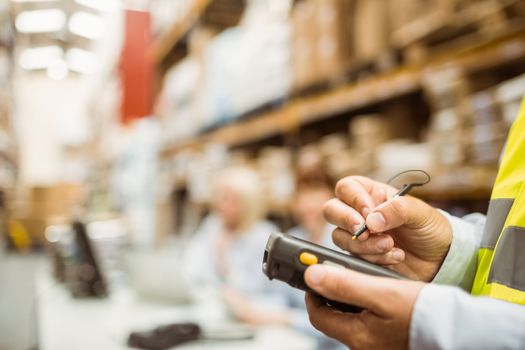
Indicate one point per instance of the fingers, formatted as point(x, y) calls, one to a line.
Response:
point(375, 244)
point(378, 248)
point(407, 210)
point(341, 215)
point(374, 293)
point(333, 323)
point(393, 257)
point(356, 192)
point(362, 194)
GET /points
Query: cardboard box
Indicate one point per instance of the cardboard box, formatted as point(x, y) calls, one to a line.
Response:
point(367, 132)
point(486, 153)
point(449, 153)
point(335, 33)
point(322, 40)
point(68, 193)
point(371, 30)
point(304, 59)
point(43, 203)
point(412, 20)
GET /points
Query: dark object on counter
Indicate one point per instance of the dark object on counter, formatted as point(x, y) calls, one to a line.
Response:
point(286, 258)
point(165, 337)
point(85, 277)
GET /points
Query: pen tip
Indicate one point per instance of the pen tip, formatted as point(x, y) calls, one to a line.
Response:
point(354, 237)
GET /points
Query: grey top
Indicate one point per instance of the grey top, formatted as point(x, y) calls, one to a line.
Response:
point(244, 261)
point(295, 297)
point(446, 317)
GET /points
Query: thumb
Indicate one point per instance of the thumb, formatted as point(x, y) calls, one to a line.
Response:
point(399, 211)
point(351, 287)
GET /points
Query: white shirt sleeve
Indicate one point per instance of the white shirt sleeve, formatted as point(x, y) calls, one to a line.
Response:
point(459, 266)
point(449, 318)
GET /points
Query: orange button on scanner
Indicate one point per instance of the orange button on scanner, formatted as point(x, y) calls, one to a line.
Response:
point(308, 259)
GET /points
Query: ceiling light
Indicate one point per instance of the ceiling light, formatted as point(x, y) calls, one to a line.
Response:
point(81, 61)
point(40, 21)
point(100, 5)
point(58, 70)
point(39, 57)
point(86, 25)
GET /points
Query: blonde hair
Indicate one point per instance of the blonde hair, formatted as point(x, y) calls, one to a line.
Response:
point(247, 184)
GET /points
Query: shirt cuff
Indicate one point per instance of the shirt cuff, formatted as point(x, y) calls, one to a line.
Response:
point(448, 318)
point(459, 266)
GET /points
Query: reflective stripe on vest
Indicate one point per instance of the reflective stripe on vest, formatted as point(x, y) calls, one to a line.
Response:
point(501, 257)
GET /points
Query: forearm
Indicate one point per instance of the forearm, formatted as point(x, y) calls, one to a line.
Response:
point(448, 318)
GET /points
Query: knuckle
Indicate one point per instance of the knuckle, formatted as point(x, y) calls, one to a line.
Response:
point(347, 221)
point(343, 186)
point(330, 207)
point(369, 245)
point(400, 208)
point(342, 242)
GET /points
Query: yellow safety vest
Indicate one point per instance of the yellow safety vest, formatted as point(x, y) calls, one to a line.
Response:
point(501, 257)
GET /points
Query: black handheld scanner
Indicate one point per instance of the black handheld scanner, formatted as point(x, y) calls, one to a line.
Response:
point(286, 259)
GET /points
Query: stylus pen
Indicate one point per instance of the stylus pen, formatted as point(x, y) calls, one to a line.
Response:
point(404, 190)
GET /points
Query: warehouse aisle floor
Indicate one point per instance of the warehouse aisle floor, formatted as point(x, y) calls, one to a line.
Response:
point(18, 329)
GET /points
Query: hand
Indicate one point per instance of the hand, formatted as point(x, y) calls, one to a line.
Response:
point(405, 233)
point(388, 304)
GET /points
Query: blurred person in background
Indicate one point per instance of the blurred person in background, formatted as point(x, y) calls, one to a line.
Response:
point(313, 189)
point(224, 257)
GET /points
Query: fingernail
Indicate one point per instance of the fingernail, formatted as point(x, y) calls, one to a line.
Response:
point(397, 255)
point(316, 274)
point(365, 211)
point(375, 220)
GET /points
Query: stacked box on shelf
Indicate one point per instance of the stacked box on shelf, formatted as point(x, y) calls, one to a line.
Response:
point(246, 66)
point(363, 150)
point(337, 156)
point(488, 129)
point(261, 63)
point(412, 19)
point(447, 92)
point(322, 40)
point(509, 95)
point(49, 205)
point(423, 28)
point(366, 134)
point(274, 164)
point(175, 104)
point(235, 72)
point(304, 51)
point(372, 26)
point(183, 106)
point(467, 127)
